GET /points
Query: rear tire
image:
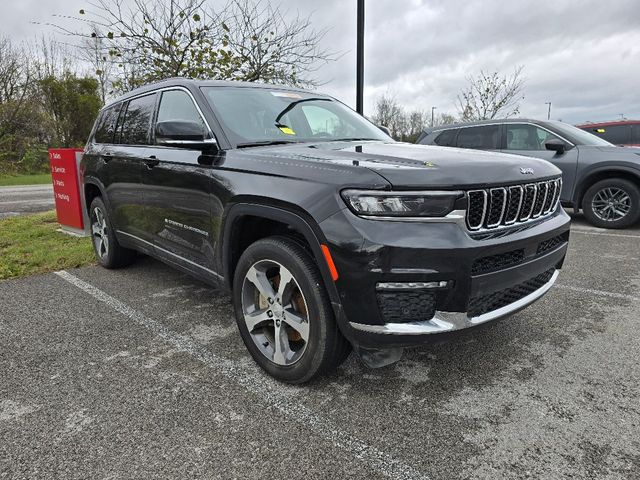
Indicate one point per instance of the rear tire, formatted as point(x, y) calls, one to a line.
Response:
point(612, 203)
point(291, 331)
point(108, 251)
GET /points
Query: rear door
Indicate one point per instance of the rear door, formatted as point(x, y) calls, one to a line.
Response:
point(528, 139)
point(125, 165)
point(181, 212)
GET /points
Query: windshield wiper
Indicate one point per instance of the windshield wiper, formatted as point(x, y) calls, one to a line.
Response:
point(354, 139)
point(293, 104)
point(265, 143)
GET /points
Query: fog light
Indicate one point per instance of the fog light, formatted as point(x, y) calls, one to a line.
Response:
point(411, 285)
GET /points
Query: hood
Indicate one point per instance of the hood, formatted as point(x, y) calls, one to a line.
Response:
point(408, 166)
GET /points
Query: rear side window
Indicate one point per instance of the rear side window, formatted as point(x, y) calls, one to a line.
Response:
point(483, 138)
point(107, 125)
point(137, 121)
point(446, 138)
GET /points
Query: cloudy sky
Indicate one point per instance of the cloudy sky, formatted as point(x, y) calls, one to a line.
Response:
point(581, 55)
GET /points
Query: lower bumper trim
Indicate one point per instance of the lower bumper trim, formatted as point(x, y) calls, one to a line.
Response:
point(443, 322)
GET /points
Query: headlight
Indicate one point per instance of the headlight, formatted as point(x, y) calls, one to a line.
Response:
point(401, 204)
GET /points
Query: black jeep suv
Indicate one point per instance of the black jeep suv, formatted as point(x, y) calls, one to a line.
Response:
point(327, 232)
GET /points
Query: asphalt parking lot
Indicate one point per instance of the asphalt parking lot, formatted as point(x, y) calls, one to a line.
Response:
point(140, 373)
point(23, 199)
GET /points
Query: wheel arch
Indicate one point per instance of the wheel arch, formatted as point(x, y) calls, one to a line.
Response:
point(235, 239)
point(91, 189)
point(596, 175)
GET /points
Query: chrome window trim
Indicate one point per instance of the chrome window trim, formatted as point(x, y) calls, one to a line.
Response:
point(506, 124)
point(213, 140)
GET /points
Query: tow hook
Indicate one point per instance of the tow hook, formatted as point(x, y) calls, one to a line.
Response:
point(378, 358)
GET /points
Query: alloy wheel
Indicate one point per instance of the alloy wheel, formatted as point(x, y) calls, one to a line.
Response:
point(611, 204)
point(275, 312)
point(99, 232)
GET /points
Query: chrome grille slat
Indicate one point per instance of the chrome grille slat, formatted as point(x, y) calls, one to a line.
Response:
point(515, 200)
point(472, 222)
point(497, 203)
point(495, 207)
point(538, 207)
point(548, 203)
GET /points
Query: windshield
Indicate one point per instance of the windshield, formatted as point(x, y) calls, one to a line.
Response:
point(253, 116)
point(578, 136)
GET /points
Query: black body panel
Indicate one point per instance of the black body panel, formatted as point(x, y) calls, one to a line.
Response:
point(185, 209)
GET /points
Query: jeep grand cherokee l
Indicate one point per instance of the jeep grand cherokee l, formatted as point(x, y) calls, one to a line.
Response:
point(601, 179)
point(327, 232)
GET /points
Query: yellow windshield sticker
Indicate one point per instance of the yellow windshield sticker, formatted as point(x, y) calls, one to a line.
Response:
point(600, 130)
point(287, 130)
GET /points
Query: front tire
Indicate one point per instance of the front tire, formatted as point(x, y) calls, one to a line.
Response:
point(283, 312)
point(612, 203)
point(108, 251)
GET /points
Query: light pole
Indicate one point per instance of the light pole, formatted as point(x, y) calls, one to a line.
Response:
point(360, 59)
point(432, 116)
point(549, 110)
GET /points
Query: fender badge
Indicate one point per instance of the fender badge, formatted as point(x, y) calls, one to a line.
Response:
point(526, 171)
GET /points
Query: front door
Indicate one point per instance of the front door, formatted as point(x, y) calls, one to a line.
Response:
point(527, 139)
point(179, 207)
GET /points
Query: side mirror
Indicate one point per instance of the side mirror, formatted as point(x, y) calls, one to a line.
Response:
point(556, 145)
point(182, 133)
point(385, 129)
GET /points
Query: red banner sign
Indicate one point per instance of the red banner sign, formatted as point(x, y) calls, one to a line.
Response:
point(66, 186)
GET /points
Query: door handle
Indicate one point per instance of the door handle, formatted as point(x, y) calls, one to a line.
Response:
point(151, 162)
point(106, 157)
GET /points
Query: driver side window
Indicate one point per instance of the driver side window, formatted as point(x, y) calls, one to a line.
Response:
point(527, 137)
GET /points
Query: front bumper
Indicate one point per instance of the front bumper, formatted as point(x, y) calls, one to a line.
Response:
point(369, 252)
point(445, 322)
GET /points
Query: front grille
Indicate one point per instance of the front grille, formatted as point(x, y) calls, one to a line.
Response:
point(492, 263)
point(399, 307)
point(503, 206)
point(488, 303)
point(552, 243)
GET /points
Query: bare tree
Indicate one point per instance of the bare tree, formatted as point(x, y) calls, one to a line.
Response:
point(490, 95)
point(270, 47)
point(148, 40)
point(416, 121)
point(389, 113)
point(405, 126)
point(444, 119)
point(15, 80)
point(95, 52)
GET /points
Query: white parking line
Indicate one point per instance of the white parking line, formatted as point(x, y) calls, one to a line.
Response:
point(268, 391)
point(43, 201)
point(592, 232)
point(620, 296)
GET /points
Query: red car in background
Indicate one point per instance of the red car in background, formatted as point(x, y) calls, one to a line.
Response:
point(625, 133)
